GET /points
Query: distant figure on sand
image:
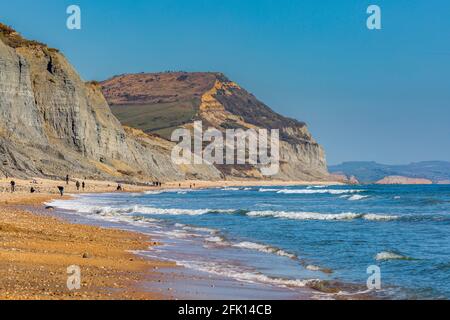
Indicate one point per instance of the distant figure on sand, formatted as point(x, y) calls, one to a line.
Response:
point(83, 185)
point(119, 187)
point(67, 179)
point(13, 186)
point(78, 185)
point(32, 190)
point(61, 190)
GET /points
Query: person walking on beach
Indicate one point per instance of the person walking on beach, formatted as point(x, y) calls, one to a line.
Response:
point(61, 190)
point(78, 185)
point(83, 185)
point(13, 186)
point(67, 180)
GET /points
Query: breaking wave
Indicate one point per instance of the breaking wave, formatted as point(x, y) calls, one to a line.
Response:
point(320, 216)
point(118, 211)
point(388, 255)
point(265, 249)
point(357, 197)
point(244, 276)
point(251, 246)
point(311, 191)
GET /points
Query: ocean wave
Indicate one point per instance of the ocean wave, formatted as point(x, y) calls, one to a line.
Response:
point(112, 211)
point(196, 229)
point(178, 191)
point(320, 216)
point(378, 217)
point(317, 191)
point(357, 197)
point(268, 190)
point(244, 275)
point(178, 234)
point(216, 239)
point(265, 249)
point(251, 246)
point(389, 255)
point(109, 211)
point(318, 269)
point(304, 215)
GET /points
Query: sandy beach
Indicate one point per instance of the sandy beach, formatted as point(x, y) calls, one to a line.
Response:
point(37, 248)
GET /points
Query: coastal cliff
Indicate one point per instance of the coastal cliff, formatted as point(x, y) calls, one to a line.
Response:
point(52, 123)
point(158, 103)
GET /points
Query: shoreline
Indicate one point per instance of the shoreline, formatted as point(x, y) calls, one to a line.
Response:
point(39, 245)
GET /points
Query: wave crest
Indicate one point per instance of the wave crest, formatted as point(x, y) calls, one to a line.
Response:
point(389, 255)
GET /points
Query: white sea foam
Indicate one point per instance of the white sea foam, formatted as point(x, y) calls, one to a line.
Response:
point(313, 268)
point(320, 216)
point(304, 215)
point(318, 191)
point(154, 192)
point(230, 189)
point(264, 248)
point(178, 234)
point(215, 239)
point(113, 211)
point(108, 211)
point(196, 229)
point(388, 255)
point(268, 190)
point(178, 191)
point(310, 190)
point(378, 217)
point(243, 275)
point(357, 197)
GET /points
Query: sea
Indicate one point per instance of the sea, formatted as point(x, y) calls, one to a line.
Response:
point(336, 239)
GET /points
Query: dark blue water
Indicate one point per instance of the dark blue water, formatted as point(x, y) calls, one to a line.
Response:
point(328, 233)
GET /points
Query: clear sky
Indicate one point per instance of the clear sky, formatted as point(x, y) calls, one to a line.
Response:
point(366, 95)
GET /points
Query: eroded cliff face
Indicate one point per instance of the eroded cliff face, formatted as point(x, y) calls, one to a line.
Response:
point(228, 105)
point(53, 124)
point(219, 103)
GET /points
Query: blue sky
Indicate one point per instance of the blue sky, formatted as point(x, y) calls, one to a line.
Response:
point(366, 95)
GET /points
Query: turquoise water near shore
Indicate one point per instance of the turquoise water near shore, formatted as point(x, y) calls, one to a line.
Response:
point(295, 236)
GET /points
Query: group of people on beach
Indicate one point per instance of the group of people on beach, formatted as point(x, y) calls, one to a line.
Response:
point(79, 185)
point(157, 184)
point(61, 189)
